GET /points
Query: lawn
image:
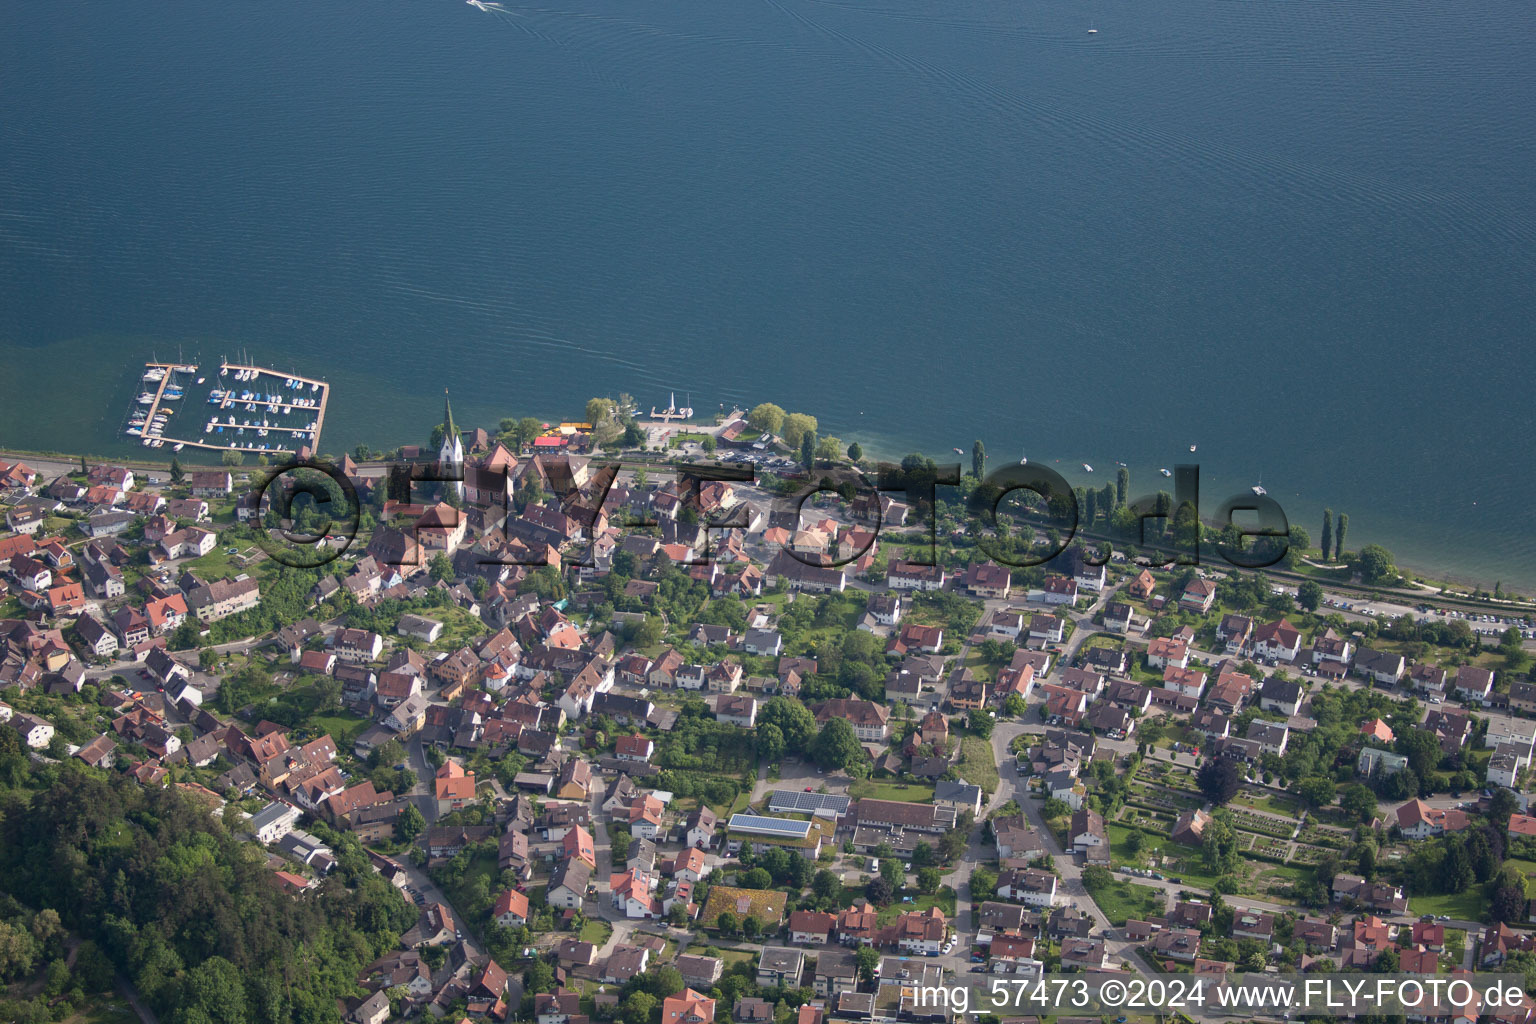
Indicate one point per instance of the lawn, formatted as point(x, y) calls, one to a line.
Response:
point(1121, 900)
point(1184, 861)
point(343, 727)
point(1455, 947)
point(730, 956)
point(596, 931)
point(904, 792)
point(1264, 801)
point(1459, 906)
point(944, 899)
point(977, 765)
point(216, 564)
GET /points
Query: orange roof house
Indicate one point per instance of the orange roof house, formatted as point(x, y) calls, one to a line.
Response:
point(689, 1008)
point(1376, 729)
point(454, 787)
point(578, 844)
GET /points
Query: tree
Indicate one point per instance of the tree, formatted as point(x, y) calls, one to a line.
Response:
point(766, 418)
point(1503, 804)
point(928, 880)
point(709, 444)
point(756, 878)
point(808, 449)
point(1219, 779)
point(726, 922)
point(1422, 749)
point(855, 452)
point(829, 449)
point(837, 746)
point(1134, 841)
point(638, 1007)
point(1014, 705)
point(878, 891)
point(232, 458)
point(793, 719)
point(891, 871)
point(1309, 595)
point(868, 960)
point(1218, 845)
point(978, 459)
point(1358, 802)
point(751, 928)
point(409, 824)
point(796, 426)
point(980, 721)
point(441, 567)
point(1376, 563)
point(1317, 790)
point(770, 744)
point(1338, 538)
point(177, 473)
point(1122, 486)
point(1327, 531)
point(1509, 900)
point(825, 885)
point(599, 411)
point(1456, 868)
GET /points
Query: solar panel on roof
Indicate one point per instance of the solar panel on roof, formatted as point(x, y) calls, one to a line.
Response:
point(794, 800)
point(769, 826)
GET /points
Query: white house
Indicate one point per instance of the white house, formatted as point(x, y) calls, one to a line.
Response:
point(274, 821)
point(1029, 886)
point(35, 732)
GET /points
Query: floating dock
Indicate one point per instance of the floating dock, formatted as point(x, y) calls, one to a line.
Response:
point(291, 409)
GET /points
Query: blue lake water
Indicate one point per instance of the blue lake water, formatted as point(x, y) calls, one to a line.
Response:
point(1299, 234)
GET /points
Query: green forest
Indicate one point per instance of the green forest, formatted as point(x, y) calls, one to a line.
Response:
point(146, 883)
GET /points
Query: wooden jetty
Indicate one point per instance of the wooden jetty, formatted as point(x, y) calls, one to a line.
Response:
point(318, 390)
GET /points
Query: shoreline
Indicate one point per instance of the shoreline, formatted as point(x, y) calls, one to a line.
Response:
point(1523, 596)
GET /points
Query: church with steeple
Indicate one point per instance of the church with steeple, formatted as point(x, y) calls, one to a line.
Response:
point(450, 457)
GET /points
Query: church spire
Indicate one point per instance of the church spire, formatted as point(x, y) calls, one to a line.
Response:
point(451, 455)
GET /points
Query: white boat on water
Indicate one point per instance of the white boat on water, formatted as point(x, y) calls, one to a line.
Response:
point(187, 368)
point(1165, 472)
point(1191, 447)
point(1258, 489)
point(1087, 468)
point(154, 374)
point(146, 399)
point(134, 430)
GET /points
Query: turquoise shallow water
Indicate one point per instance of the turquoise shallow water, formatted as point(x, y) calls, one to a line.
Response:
point(1299, 233)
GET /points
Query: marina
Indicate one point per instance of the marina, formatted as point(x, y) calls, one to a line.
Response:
point(254, 409)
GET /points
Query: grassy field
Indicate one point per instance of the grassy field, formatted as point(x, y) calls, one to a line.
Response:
point(977, 765)
point(1460, 906)
point(1121, 900)
point(944, 899)
point(905, 792)
point(730, 956)
point(1183, 861)
point(596, 931)
point(342, 725)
